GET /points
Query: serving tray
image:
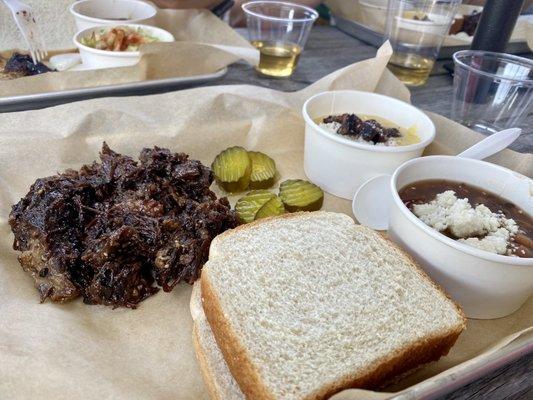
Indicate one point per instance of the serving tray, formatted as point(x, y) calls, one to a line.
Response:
point(467, 372)
point(167, 340)
point(374, 38)
point(42, 100)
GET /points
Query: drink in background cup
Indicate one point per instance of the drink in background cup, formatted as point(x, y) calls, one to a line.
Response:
point(277, 59)
point(279, 31)
point(411, 69)
point(416, 30)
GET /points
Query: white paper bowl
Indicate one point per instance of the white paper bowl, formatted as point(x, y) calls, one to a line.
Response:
point(374, 14)
point(339, 165)
point(422, 33)
point(93, 13)
point(486, 285)
point(95, 59)
point(435, 26)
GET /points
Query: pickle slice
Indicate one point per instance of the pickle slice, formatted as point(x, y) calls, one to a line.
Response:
point(248, 206)
point(263, 170)
point(271, 208)
point(232, 169)
point(300, 195)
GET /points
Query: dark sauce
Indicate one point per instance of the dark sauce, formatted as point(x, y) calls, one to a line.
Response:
point(425, 191)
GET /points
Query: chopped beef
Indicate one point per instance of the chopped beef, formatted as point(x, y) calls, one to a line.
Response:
point(372, 131)
point(369, 130)
point(349, 123)
point(116, 230)
point(471, 21)
point(23, 65)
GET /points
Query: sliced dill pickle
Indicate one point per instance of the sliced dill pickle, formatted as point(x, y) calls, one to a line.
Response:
point(300, 195)
point(248, 206)
point(271, 208)
point(263, 170)
point(232, 169)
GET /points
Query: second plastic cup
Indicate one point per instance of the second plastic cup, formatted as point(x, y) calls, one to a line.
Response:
point(492, 91)
point(279, 31)
point(416, 30)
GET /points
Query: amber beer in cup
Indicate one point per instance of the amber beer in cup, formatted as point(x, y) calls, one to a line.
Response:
point(416, 30)
point(279, 31)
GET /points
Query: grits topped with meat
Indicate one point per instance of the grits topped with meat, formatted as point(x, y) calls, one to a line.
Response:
point(369, 129)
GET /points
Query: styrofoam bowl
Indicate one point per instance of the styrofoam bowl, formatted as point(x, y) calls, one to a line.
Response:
point(93, 13)
point(437, 25)
point(95, 58)
point(374, 14)
point(339, 165)
point(486, 285)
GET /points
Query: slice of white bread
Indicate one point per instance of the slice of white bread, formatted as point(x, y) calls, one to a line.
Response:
point(220, 383)
point(305, 305)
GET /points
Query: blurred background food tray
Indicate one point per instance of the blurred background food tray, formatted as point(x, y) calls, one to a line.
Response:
point(374, 38)
point(42, 100)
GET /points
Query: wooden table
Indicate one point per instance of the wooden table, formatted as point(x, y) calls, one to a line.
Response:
point(327, 50)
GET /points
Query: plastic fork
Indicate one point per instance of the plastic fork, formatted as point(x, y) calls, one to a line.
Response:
point(28, 27)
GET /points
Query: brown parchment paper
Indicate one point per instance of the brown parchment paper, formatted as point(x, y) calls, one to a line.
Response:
point(53, 16)
point(204, 45)
point(93, 352)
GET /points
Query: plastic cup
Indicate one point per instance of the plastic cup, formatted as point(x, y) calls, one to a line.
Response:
point(492, 91)
point(416, 30)
point(279, 30)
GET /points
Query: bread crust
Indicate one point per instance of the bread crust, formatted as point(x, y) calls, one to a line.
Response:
point(234, 353)
point(247, 376)
point(204, 368)
point(405, 360)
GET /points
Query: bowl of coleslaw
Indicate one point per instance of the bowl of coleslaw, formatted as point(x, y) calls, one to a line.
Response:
point(116, 46)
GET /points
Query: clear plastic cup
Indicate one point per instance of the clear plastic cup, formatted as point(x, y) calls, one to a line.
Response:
point(279, 31)
point(416, 30)
point(492, 91)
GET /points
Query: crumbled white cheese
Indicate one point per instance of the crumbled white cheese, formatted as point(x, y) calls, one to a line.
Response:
point(475, 226)
point(334, 127)
point(495, 242)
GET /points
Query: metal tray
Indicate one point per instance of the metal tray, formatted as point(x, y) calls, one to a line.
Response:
point(438, 386)
point(42, 100)
point(374, 38)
